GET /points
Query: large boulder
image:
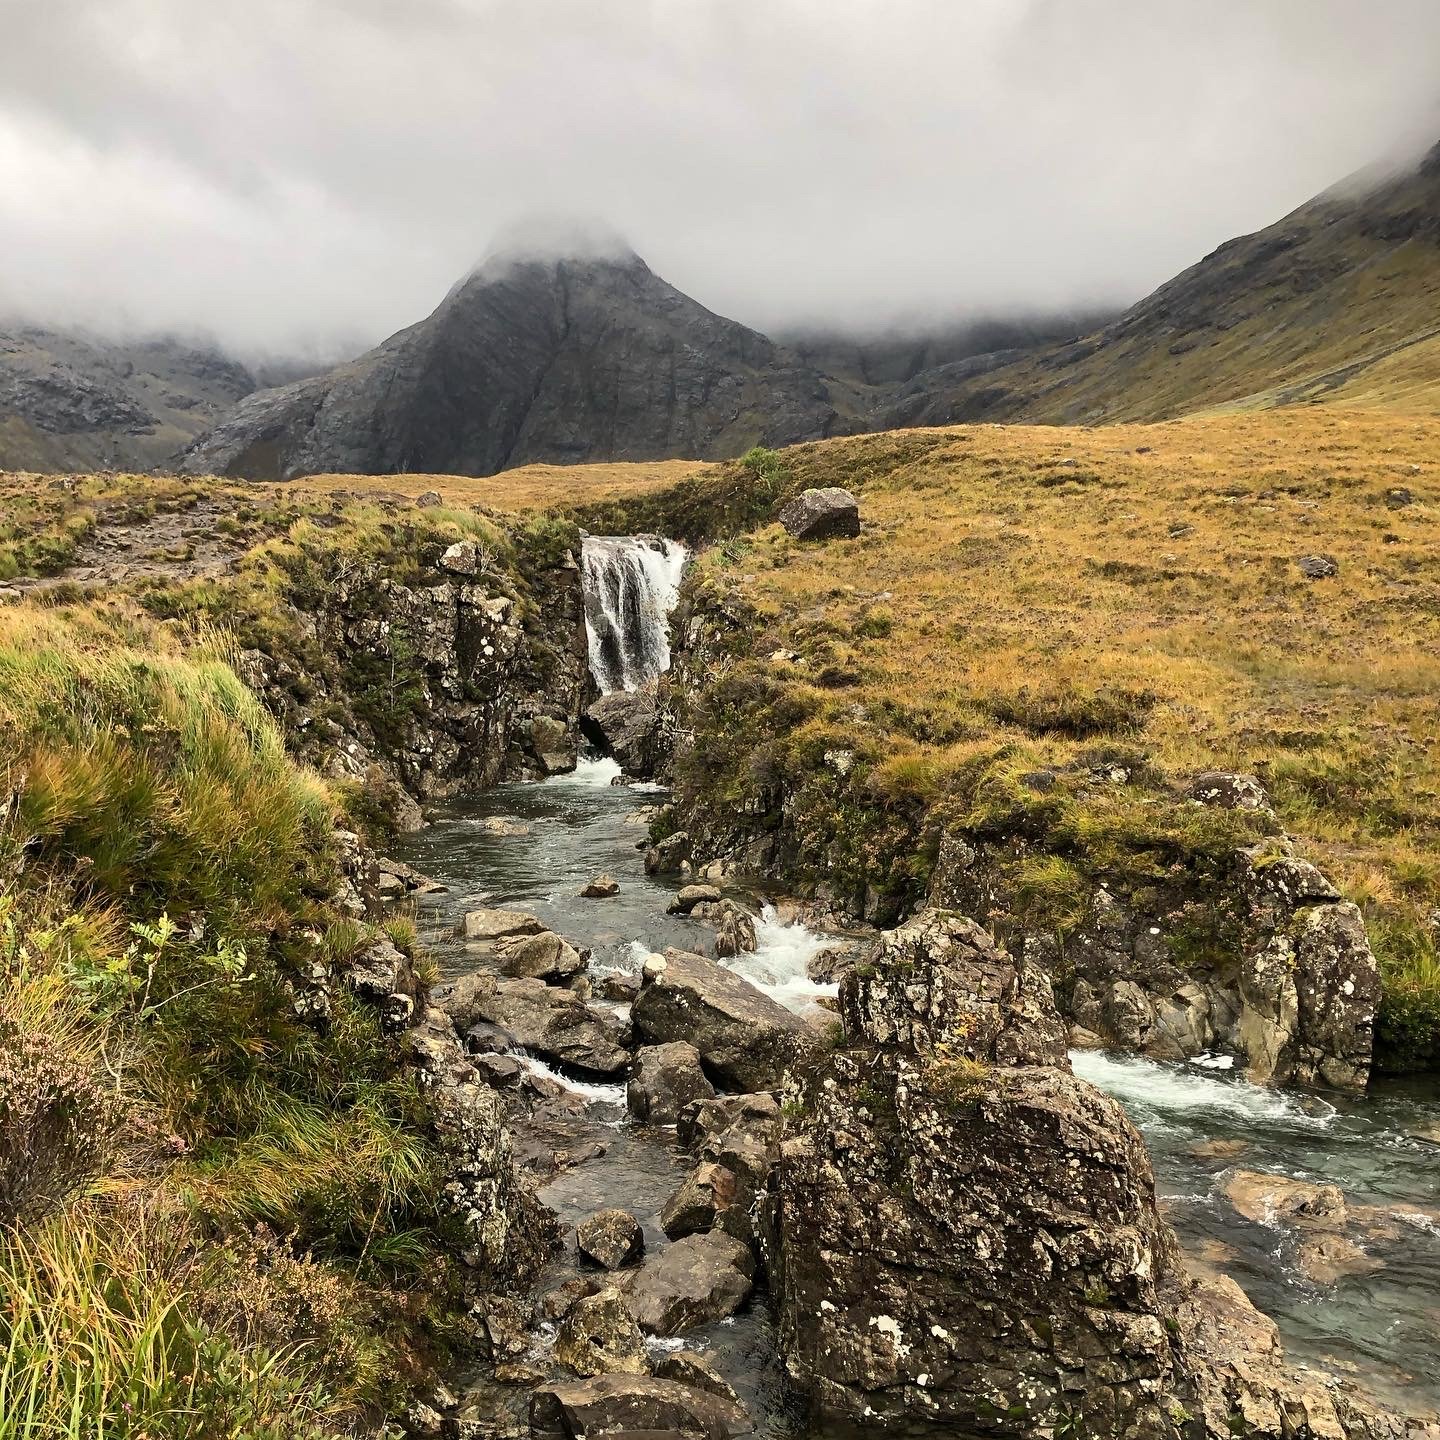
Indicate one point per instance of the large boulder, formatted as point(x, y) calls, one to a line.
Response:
point(610, 1239)
point(822, 514)
point(634, 1406)
point(554, 1024)
point(705, 1194)
point(963, 1237)
point(697, 1279)
point(746, 1040)
point(488, 926)
point(734, 931)
point(1309, 1000)
point(545, 956)
point(666, 1078)
point(630, 722)
point(599, 1336)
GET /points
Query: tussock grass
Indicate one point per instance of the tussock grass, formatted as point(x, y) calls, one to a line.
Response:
point(165, 870)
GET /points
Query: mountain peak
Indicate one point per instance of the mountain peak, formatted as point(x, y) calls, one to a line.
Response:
point(558, 238)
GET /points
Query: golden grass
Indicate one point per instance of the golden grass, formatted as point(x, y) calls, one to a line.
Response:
point(1010, 574)
point(529, 487)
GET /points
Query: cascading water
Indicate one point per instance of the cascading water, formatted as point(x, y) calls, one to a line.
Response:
point(631, 582)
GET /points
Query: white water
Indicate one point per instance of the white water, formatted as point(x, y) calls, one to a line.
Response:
point(591, 1094)
point(631, 583)
point(780, 961)
point(589, 774)
point(1169, 1091)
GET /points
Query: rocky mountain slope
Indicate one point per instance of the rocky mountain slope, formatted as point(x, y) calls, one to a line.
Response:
point(72, 401)
point(1340, 300)
point(537, 360)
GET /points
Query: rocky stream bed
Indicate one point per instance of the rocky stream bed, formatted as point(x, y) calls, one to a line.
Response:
point(1352, 1278)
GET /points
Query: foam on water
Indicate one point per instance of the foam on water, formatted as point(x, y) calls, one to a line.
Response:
point(780, 963)
point(1173, 1091)
point(590, 1093)
point(589, 773)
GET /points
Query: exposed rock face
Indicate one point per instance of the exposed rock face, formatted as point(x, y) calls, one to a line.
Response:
point(438, 682)
point(1299, 1007)
point(638, 1405)
point(822, 514)
point(666, 1078)
point(691, 1282)
point(555, 1024)
point(532, 360)
point(734, 931)
point(745, 1039)
point(610, 1239)
point(964, 1237)
point(540, 957)
point(73, 401)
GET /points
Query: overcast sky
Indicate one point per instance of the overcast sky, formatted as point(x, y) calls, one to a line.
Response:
point(300, 173)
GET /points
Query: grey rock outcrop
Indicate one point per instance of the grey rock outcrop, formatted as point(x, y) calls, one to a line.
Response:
point(963, 1237)
point(545, 956)
point(634, 1405)
point(599, 1336)
point(632, 725)
point(610, 1239)
point(822, 515)
point(745, 1039)
point(666, 1078)
point(691, 1282)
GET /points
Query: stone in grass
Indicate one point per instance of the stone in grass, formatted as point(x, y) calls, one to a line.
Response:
point(610, 1239)
point(602, 887)
point(822, 514)
point(1318, 567)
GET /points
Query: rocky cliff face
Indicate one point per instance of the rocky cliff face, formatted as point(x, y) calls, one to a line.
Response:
point(1234, 944)
point(469, 672)
point(535, 360)
point(964, 1237)
point(70, 401)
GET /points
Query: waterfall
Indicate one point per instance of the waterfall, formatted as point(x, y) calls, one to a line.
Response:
point(631, 582)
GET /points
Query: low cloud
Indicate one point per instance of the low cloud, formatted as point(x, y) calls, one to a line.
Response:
point(312, 174)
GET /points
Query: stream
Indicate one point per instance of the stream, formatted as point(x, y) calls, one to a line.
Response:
point(533, 846)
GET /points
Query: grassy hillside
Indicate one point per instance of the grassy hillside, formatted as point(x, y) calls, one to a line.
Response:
point(1337, 302)
point(228, 1220)
point(1025, 597)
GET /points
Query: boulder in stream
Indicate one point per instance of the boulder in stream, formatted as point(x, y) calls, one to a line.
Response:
point(746, 1040)
point(599, 1336)
point(635, 1406)
point(610, 1239)
point(631, 722)
point(487, 926)
point(602, 887)
point(691, 1282)
point(545, 956)
point(554, 1024)
point(668, 856)
point(704, 1195)
point(963, 1237)
point(665, 1079)
point(734, 931)
point(689, 896)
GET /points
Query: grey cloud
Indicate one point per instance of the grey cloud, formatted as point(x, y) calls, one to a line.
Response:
point(315, 173)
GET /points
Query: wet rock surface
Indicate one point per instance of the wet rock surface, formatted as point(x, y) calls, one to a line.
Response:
point(612, 1239)
point(637, 1407)
point(691, 1282)
point(546, 1021)
point(666, 1078)
point(964, 1236)
point(745, 1039)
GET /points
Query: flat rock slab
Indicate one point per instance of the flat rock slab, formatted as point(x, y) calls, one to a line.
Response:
point(746, 1040)
point(692, 1282)
point(553, 1024)
point(633, 1405)
point(488, 926)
